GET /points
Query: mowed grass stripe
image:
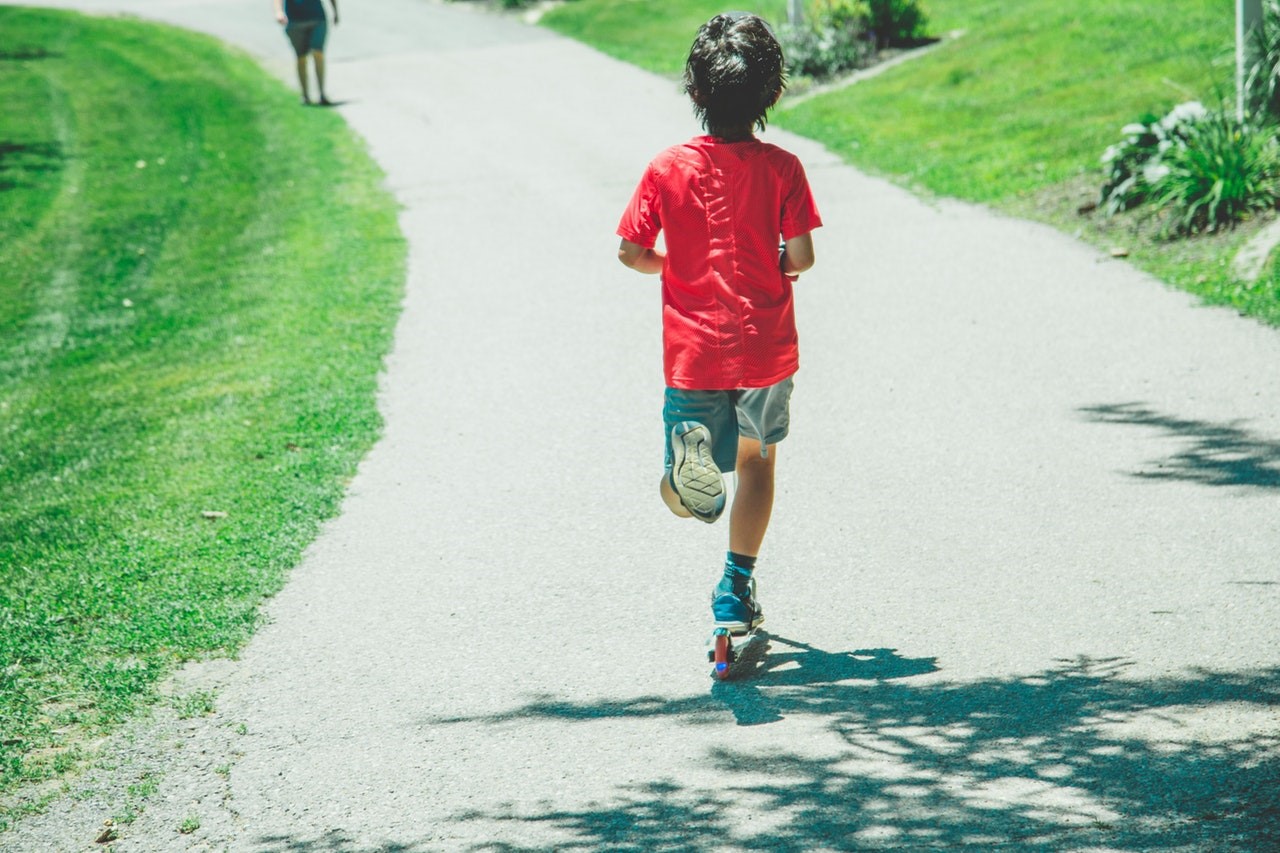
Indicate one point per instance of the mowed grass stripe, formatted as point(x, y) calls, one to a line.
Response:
point(200, 280)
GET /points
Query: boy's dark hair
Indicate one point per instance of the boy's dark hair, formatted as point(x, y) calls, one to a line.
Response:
point(734, 73)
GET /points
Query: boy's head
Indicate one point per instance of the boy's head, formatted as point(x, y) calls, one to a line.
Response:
point(734, 73)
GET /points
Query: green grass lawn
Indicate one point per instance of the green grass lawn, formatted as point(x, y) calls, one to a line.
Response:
point(199, 282)
point(1014, 113)
point(655, 35)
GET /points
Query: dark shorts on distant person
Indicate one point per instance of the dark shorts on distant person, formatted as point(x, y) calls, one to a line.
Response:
point(760, 413)
point(306, 36)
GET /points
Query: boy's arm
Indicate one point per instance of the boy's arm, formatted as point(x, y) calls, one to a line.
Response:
point(639, 258)
point(334, 4)
point(797, 254)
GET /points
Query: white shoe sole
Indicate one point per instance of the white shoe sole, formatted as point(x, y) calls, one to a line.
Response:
point(694, 475)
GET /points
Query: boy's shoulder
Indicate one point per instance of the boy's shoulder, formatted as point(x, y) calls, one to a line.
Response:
point(702, 150)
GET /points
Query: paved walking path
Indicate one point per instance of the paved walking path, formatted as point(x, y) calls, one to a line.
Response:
point(1023, 581)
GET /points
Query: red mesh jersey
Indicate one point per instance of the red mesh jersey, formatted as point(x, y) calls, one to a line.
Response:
point(727, 315)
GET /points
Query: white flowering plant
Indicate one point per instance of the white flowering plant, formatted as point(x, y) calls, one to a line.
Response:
point(1135, 165)
point(832, 39)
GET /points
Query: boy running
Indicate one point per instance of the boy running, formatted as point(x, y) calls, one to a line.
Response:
point(723, 201)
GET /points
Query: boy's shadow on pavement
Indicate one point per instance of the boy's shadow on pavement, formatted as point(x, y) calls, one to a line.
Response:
point(805, 666)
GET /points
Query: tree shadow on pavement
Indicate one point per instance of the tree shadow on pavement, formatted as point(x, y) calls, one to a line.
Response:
point(1075, 757)
point(1214, 455)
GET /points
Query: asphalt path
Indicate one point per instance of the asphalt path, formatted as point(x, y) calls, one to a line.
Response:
point(1022, 581)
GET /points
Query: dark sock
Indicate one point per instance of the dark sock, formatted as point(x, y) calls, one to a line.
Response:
point(737, 572)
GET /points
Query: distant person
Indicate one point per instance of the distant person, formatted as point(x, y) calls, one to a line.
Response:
point(305, 25)
point(724, 201)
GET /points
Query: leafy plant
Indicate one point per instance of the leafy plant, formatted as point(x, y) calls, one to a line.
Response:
point(1204, 169)
point(832, 39)
point(1226, 170)
point(1134, 164)
point(1262, 83)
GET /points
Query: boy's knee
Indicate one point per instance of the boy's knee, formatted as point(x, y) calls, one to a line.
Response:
point(752, 453)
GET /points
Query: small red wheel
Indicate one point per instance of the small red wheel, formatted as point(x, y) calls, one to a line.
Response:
point(720, 656)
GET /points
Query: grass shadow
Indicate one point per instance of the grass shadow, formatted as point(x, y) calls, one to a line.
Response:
point(22, 54)
point(21, 158)
point(1215, 454)
point(334, 841)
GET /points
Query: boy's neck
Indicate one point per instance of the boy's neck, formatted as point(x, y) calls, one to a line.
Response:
point(732, 134)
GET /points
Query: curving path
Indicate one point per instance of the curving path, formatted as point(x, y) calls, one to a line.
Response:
point(1023, 581)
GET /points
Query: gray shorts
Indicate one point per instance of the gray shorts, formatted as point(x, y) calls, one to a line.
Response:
point(306, 36)
point(760, 413)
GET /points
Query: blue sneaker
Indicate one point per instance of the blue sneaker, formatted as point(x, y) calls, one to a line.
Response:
point(694, 476)
point(738, 612)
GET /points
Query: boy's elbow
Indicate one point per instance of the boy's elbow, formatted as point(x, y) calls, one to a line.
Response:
point(798, 255)
point(797, 262)
point(629, 254)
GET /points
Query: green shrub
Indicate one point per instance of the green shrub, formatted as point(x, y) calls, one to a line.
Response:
point(841, 35)
point(1226, 170)
point(831, 40)
point(895, 23)
point(1134, 164)
point(1204, 170)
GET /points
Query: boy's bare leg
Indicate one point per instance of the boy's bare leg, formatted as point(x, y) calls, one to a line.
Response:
point(753, 498)
point(671, 499)
point(302, 78)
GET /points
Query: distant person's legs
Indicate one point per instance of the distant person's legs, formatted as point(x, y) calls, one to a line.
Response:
point(300, 34)
point(319, 35)
point(318, 56)
point(302, 78)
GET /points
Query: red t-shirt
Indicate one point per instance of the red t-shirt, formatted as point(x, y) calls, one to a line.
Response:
point(727, 314)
